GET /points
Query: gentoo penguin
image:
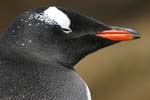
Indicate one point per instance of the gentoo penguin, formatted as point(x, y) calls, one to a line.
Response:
point(40, 48)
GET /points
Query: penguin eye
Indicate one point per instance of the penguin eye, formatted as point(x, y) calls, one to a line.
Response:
point(66, 30)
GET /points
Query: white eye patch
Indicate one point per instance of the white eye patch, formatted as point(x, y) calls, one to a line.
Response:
point(52, 16)
point(59, 17)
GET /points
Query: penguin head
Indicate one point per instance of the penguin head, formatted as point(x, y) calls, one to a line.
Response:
point(61, 35)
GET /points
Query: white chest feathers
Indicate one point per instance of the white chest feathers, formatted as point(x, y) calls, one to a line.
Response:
point(88, 92)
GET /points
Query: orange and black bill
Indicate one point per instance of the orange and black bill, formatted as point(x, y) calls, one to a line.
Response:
point(119, 34)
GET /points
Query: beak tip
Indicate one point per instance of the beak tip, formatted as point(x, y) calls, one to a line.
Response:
point(136, 34)
point(136, 37)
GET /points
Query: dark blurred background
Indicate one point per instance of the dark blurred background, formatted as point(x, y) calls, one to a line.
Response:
point(118, 72)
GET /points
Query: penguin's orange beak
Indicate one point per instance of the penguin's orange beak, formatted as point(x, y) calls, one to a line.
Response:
point(122, 34)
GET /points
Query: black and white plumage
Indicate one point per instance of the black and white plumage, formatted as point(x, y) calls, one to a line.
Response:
point(39, 51)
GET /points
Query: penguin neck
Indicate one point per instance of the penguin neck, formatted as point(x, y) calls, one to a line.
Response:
point(64, 55)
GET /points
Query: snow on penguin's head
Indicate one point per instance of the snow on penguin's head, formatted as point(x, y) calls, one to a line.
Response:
point(52, 15)
point(59, 17)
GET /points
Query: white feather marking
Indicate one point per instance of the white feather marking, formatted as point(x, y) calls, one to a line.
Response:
point(59, 17)
point(53, 16)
